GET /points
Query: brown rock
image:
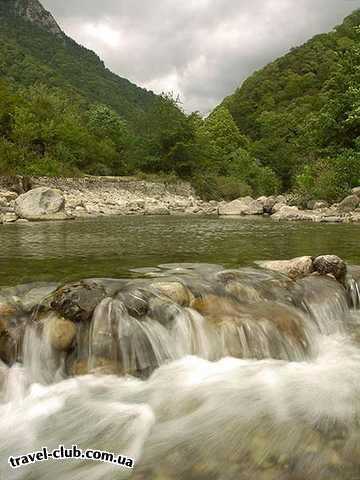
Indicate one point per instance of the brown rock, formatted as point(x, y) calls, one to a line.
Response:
point(61, 333)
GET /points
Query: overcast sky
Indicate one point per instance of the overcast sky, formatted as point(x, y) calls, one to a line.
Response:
point(199, 49)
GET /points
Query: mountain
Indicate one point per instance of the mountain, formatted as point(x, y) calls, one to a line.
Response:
point(303, 108)
point(62, 112)
point(33, 11)
point(33, 49)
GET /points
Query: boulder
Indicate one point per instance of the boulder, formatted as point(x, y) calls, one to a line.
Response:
point(349, 204)
point(242, 206)
point(296, 268)
point(320, 204)
point(42, 203)
point(78, 301)
point(317, 204)
point(156, 209)
point(61, 333)
point(331, 265)
point(278, 206)
point(288, 213)
point(267, 203)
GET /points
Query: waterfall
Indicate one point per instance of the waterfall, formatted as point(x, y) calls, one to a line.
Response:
point(213, 375)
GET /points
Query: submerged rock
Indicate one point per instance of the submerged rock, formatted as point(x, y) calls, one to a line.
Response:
point(295, 268)
point(41, 203)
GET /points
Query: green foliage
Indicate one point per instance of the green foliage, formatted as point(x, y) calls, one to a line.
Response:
point(218, 188)
point(329, 179)
point(305, 107)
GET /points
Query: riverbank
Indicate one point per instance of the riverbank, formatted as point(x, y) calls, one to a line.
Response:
point(25, 199)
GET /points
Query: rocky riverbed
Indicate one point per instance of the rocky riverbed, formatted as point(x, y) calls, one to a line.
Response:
point(41, 198)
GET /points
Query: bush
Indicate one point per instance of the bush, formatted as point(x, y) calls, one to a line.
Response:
point(220, 188)
point(329, 179)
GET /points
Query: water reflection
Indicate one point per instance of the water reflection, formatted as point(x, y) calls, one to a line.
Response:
point(111, 246)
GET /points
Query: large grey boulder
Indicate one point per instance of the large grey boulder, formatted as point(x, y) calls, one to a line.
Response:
point(242, 206)
point(42, 203)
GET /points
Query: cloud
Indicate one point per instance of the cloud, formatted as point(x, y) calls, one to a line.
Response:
point(201, 49)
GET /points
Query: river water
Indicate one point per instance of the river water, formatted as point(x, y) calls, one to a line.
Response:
point(196, 364)
point(109, 247)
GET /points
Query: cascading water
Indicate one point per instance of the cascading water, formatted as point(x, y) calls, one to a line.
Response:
point(197, 374)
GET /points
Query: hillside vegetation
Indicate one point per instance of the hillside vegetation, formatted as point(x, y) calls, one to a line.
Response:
point(301, 113)
point(294, 125)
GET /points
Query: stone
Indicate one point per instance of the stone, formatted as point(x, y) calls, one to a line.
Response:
point(349, 204)
point(156, 209)
point(296, 268)
point(41, 203)
point(242, 206)
point(175, 291)
point(320, 204)
point(8, 196)
point(287, 213)
point(77, 301)
point(331, 265)
point(9, 217)
point(267, 203)
point(61, 333)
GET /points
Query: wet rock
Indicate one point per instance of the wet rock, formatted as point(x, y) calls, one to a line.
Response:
point(256, 330)
point(242, 206)
point(7, 344)
point(61, 333)
point(42, 203)
point(331, 265)
point(175, 291)
point(9, 217)
point(295, 268)
point(349, 203)
point(253, 285)
point(78, 301)
point(136, 300)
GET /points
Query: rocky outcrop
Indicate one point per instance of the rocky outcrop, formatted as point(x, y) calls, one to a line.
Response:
point(34, 12)
point(242, 206)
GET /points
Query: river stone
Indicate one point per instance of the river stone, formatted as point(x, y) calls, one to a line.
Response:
point(175, 291)
point(136, 300)
point(287, 213)
point(349, 204)
point(61, 333)
point(78, 301)
point(7, 345)
point(296, 268)
point(242, 206)
point(42, 203)
point(331, 265)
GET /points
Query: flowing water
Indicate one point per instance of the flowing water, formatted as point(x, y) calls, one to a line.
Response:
point(198, 371)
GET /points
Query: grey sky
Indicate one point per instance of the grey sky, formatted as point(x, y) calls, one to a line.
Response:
point(201, 49)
